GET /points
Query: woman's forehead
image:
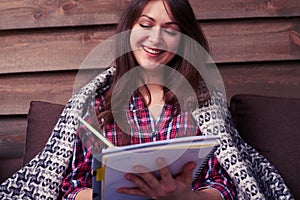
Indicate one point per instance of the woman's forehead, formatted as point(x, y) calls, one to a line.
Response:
point(157, 10)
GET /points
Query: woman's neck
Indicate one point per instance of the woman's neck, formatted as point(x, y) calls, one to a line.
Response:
point(156, 92)
point(157, 100)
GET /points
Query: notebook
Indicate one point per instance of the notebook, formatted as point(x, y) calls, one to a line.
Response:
point(110, 167)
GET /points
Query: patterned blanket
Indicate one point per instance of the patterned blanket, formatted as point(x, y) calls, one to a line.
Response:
point(254, 176)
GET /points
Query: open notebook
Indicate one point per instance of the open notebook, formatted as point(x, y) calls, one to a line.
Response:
point(111, 166)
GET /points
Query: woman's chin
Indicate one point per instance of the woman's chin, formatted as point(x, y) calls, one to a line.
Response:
point(151, 66)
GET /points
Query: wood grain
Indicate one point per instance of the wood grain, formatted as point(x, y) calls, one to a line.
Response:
point(279, 79)
point(17, 14)
point(65, 49)
point(234, 9)
point(48, 49)
point(20, 89)
point(253, 40)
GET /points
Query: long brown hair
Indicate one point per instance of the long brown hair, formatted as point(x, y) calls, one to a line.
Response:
point(183, 15)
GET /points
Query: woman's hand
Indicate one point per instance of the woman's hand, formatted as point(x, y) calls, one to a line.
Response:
point(165, 188)
point(85, 194)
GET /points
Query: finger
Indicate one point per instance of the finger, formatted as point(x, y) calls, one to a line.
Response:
point(139, 182)
point(187, 173)
point(164, 171)
point(146, 175)
point(142, 188)
point(168, 183)
point(143, 181)
point(132, 191)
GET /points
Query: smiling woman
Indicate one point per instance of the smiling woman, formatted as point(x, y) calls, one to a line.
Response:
point(156, 33)
point(155, 40)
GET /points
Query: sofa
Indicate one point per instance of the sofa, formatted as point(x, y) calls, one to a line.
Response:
point(269, 124)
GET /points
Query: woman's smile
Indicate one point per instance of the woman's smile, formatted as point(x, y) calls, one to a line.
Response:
point(152, 52)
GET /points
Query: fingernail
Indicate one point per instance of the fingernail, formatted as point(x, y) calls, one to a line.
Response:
point(159, 160)
point(128, 176)
point(137, 169)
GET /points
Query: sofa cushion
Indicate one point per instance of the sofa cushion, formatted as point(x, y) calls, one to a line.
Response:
point(8, 166)
point(41, 119)
point(271, 125)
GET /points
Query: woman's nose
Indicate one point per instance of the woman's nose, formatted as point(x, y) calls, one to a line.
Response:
point(155, 35)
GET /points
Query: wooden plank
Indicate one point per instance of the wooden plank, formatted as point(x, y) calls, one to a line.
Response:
point(255, 40)
point(48, 49)
point(269, 79)
point(19, 89)
point(233, 9)
point(12, 136)
point(65, 49)
point(16, 14)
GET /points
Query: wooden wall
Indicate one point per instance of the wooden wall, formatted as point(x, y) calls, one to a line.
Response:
point(255, 43)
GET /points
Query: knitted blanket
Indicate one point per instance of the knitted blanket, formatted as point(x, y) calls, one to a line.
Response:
point(253, 175)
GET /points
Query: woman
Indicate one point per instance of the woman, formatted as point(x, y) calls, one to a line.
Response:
point(236, 170)
point(154, 38)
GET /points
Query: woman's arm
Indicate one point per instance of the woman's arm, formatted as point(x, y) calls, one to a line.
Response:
point(214, 176)
point(79, 173)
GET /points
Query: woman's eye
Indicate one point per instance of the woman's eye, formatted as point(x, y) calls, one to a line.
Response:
point(145, 26)
point(171, 32)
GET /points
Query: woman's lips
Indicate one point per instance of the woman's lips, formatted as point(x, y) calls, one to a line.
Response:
point(152, 51)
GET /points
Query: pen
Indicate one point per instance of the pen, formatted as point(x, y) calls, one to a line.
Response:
point(96, 133)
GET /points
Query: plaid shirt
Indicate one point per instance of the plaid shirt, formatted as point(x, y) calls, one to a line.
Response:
point(144, 129)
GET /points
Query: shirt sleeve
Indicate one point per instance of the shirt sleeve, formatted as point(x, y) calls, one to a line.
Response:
point(79, 173)
point(214, 176)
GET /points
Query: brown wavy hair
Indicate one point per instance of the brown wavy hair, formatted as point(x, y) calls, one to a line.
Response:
point(183, 15)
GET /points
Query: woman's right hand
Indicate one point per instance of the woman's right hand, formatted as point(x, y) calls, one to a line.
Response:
point(85, 194)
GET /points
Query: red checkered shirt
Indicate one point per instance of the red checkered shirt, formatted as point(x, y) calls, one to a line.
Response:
point(144, 129)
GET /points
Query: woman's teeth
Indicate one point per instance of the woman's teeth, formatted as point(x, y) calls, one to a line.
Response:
point(152, 51)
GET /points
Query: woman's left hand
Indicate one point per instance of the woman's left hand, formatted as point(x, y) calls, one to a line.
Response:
point(168, 187)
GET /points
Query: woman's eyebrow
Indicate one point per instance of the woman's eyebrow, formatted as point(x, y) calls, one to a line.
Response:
point(152, 19)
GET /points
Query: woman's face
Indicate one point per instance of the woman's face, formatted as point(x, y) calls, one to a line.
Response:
point(154, 36)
